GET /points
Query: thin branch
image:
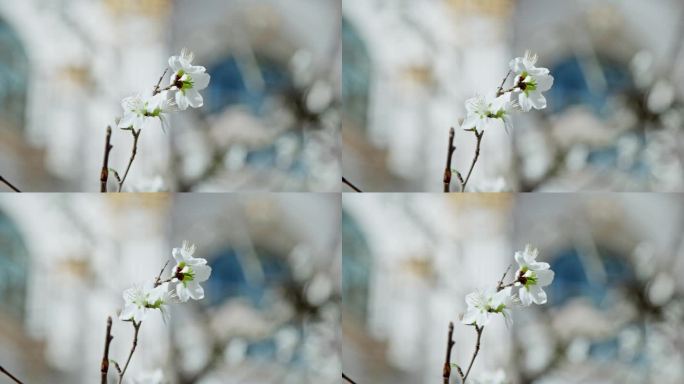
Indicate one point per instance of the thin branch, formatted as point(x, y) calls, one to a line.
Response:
point(477, 350)
point(7, 183)
point(158, 280)
point(157, 90)
point(345, 377)
point(104, 174)
point(104, 366)
point(446, 371)
point(350, 185)
point(136, 326)
point(136, 135)
point(500, 90)
point(500, 285)
point(478, 136)
point(3, 370)
point(450, 153)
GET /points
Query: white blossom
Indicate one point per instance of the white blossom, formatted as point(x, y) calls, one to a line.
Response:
point(483, 112)
point(140, 300)
point(138, 110)
point(530, 82)
point(187, 80)
point(482, 304)
point(532, 277)
point(189, 272)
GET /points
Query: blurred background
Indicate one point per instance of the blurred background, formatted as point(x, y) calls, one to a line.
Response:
point(271, 115)
point(615, 114)
point(615, 312)
point(271, 312)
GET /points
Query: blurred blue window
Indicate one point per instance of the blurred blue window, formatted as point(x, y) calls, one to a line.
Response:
point(13, 79)
point(249, 83)
point(241, 274)
point(587, 82)
point(356, 268)
point(593, 277)
point(13, 268)
point(356, 76)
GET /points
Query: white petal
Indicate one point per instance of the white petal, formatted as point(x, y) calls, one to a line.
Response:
point(520, 259)
point(544, 277)
point(181, 101)
point(470, 317)
point(174, 63)
point(470, 122)
point(537, 71)
point(524, 102)
point(127, 312)
point(194, 98)
point(538, 295)
point(517, 65)
point(524, 296)
point(127, 120)
point(200, 81)
point(195, 69)
point(544, 82)
point(202, 272)
point(182, 292)
point(537, 100)
point(195, 290)
point(177, 255)
point(539, 266)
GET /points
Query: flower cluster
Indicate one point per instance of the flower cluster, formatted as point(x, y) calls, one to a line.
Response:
point(529, 81)
point(185, 83)
point(530, 279)
point(183, 284)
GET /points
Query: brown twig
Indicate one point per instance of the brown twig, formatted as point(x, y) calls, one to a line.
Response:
point(7, 183)
point(500, 90)
point(450, 153)
point(134, 151)
point(104, 174)
point(11, 376)
point(478, 136)
point(136, 326)
point(104, 366)
point(477, 350)
point(158, 280)
point(345, 377)
point(157, 90)
point(446, 371)
point(350, 185)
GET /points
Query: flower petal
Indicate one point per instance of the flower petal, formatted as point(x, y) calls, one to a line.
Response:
point(182, 292)
point(181, 101)
point(195, 290)
point(174, 63)
point(524, 296)
point(544, 82)
point(194, 98)
point(202, 272)
point(544, 277)
point(537, 100)
point(201, 80)
point(537, 294)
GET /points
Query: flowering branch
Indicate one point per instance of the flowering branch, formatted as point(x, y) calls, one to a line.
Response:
point(7, 183)
point(104, 174)
point(136, 327)
point(481, 112)
point(3, 370)
point(446, 371)
point(187, 80)
point(347, 379)
point(104, 366)
point(350, 185)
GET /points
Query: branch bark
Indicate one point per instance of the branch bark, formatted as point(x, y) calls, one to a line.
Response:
point(450, 153)
point(136, 326)
point(134, 151)
point(478, 136)
point(350, 185)
point(104, 366)
point(446, 371)
point(11, 376)
point(104, 173)
point(7, 183)
point(479, 331)
point(345, 377)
